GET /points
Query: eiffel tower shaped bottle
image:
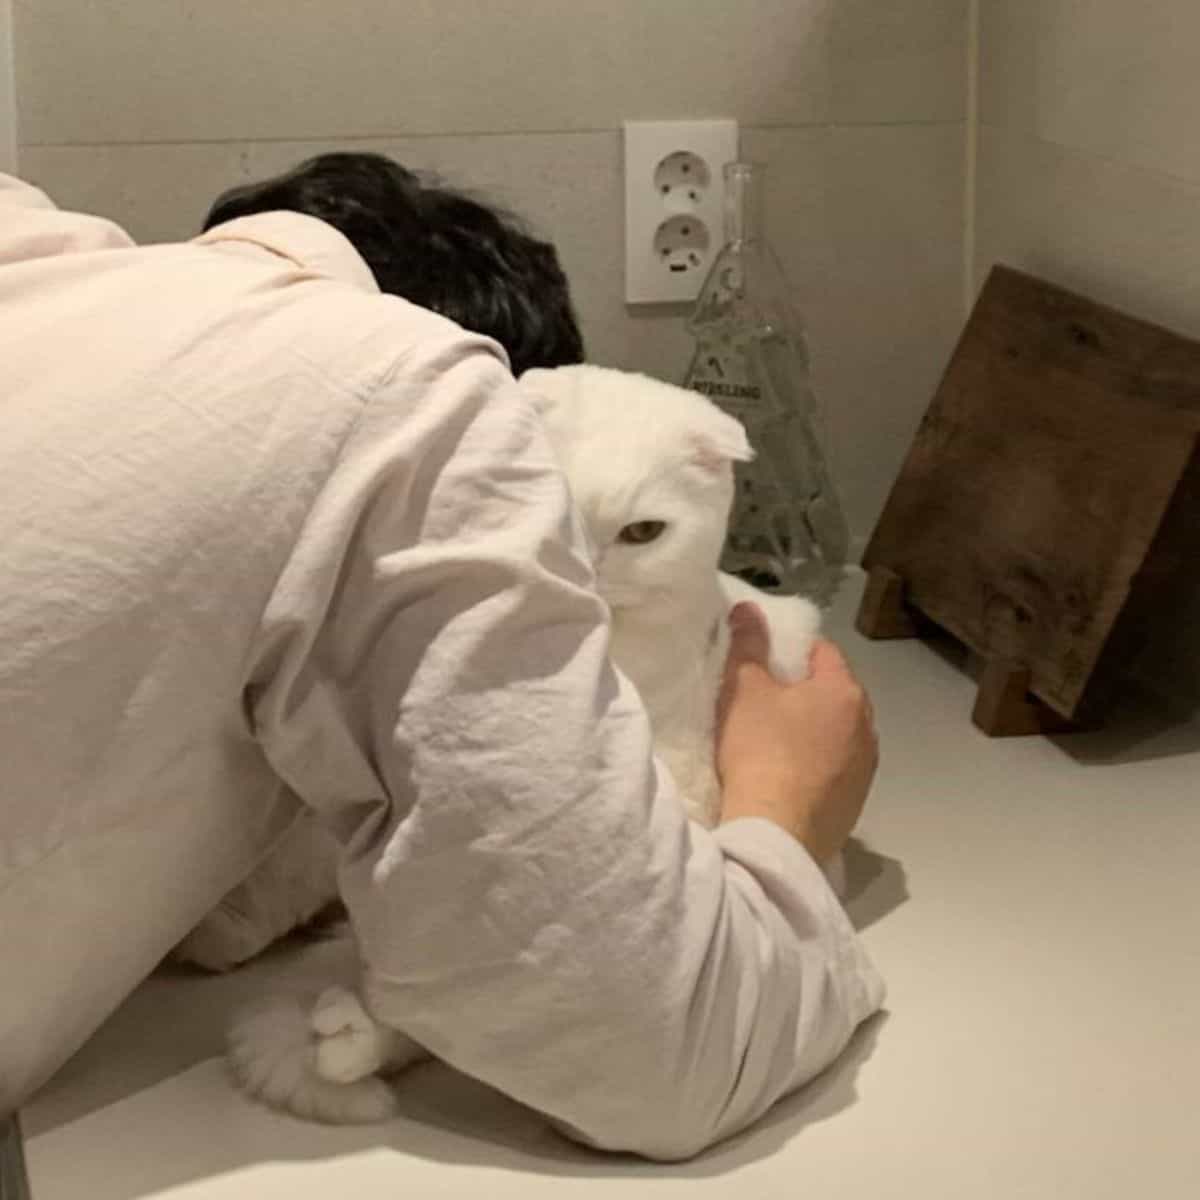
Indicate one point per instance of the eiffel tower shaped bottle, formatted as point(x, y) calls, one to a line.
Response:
point(787, 530)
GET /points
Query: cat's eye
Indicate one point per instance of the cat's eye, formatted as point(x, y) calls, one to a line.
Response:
point(641, 532)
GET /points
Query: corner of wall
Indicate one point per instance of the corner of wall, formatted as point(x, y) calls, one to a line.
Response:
point(8, 91)
point(971, 156)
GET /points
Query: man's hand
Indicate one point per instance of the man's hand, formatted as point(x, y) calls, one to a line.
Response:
point(801, 754)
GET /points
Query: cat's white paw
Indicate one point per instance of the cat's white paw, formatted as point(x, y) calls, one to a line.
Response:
point(272, 1057)
point(350, 1044)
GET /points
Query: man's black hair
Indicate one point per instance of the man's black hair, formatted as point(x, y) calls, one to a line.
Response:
point(441, 249)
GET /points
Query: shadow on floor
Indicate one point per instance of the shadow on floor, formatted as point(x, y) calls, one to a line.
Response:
point(146, 1105)
point(194, 1127)
point(876, 885)
point(1142, 727)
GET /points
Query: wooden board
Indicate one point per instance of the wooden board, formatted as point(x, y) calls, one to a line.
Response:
point(1050, 490)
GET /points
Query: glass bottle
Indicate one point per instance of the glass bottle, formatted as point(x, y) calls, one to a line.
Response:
point(787, 531)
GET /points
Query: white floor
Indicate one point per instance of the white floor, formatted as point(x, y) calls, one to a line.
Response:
point(1033, 903)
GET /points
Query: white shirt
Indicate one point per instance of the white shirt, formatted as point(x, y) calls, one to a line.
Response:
point(270, 538)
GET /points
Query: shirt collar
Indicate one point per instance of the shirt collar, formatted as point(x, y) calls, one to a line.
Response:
point(308, 242)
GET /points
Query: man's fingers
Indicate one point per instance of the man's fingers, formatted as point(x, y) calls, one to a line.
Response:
point(749, 642)
point(828, 662)
point(827, 659)
point(749, 639)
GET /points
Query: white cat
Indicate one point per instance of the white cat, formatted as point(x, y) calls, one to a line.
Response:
point(650, 468)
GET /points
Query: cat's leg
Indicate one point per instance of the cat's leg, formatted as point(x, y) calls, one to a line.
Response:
point(289, 886)
point(351, 1044)
point(272, 1055)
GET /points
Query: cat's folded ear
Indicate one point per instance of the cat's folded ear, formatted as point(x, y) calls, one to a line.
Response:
point(719, 440)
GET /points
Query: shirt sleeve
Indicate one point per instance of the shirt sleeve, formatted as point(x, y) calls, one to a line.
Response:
point(16, 193)
point(35, 228)
point(529, 899)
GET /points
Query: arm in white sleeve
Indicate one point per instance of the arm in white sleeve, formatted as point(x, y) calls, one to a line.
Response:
point(16, 193)
point(35, 228)
point(530, 902)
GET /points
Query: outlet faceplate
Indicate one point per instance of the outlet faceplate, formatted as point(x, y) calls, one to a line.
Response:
point(673, 182)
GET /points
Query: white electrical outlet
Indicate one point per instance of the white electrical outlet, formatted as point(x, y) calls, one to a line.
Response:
point(674, 205)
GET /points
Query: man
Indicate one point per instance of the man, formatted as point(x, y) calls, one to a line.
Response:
point(273, 538)
point(433, 245)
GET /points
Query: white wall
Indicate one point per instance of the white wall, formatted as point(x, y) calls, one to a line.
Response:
point(1089, 159)
point(144, 110)
point(1089, 176)
point(8, 94)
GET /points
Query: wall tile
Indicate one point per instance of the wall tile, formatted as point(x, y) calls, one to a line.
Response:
point(893, 310)
point(143, 70)
point(1010, 32)
point(277, 69)
point(1115, 79)
point(904, 60)
point(1122, 235)
point(157, 193)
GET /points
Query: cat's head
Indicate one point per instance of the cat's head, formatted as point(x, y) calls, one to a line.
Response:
point(651, 469)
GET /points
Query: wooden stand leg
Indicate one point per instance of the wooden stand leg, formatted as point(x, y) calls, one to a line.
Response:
point(1004, 707)
point(883, 613)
